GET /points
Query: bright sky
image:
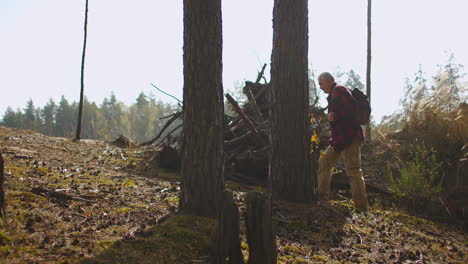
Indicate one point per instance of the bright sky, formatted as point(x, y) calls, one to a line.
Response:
point(134, 43)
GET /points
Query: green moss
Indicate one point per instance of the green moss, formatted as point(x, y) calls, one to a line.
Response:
point(123, 210)
point(42, 171)
point(27, 249)
point(285, 258)
point(291, 259)
point(5, 239)
point(319, 258)
point(21, 215)
point(129, 183)
point(174, 200)
point(180, 239)
point(300, 260)
point(293, 250)
point(23, 196)
point(138, 205)
point(65, 261)
point(437, 247)
point(104, 245)
point(362, 230)
point(16, 170)
point(4, 250)
point(169, 175)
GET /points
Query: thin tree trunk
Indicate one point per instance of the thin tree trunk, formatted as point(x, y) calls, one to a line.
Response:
point(2, 186)
point(202, 149)
point(290, 166)
point(368, 73)
point(80, 110)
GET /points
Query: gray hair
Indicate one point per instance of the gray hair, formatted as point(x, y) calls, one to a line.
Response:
point(327, 76)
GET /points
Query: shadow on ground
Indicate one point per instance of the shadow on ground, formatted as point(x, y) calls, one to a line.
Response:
point(177, 239)
point(307, 232)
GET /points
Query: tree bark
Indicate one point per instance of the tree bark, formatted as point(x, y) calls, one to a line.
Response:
point(225, 239)
point(290, 165)
point(80, 110)
point(262, 245)
point(368, 72)
point(2, 186)
point(202, 147)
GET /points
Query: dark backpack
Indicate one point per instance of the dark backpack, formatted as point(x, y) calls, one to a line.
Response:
point(363, 107)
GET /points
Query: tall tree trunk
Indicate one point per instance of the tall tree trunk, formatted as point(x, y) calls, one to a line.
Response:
point(80, 110)
point(290, 165)
point(202, 149)
point(368, 72)
point(2, 186)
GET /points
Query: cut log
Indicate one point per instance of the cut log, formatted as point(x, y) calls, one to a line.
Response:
point(262, 245)
point(225, 240)
point(2, 186)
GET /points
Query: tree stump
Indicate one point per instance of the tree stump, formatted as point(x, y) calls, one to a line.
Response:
point(123, 142)
point(262, 245)
point(169, 158)
point(2, 185)
point(225, 237)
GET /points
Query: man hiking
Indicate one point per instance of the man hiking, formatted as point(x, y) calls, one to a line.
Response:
point(345, 142)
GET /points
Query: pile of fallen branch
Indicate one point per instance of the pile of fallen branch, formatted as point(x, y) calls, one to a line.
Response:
point(246, 134)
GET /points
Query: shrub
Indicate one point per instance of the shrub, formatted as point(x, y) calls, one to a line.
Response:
point(420, 176)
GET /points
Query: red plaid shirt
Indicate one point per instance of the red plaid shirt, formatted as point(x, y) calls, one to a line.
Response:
point(344, 129)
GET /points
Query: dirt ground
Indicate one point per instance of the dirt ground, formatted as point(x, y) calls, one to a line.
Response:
point(91, 202)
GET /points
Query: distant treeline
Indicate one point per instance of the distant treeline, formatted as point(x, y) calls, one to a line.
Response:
point(139, 121)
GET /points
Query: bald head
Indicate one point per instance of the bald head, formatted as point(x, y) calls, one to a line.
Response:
point(326, 82)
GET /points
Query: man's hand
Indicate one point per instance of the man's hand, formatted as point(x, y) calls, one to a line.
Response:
point(331, 117)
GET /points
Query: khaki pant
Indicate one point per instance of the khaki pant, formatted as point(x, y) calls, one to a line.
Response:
point(352, 158)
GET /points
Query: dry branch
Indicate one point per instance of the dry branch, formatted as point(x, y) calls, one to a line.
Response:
point(168, 123)
point(58, 195)
point(261, 73)
point(250, 125)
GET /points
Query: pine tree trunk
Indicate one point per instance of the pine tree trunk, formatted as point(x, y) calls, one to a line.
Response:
point(290, 167)
point(368, 72)
point(2, 186)
point(262, 245)
point(202, 149)
point(80, 109)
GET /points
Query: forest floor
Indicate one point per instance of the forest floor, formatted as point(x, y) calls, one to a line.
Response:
point(91, 202)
